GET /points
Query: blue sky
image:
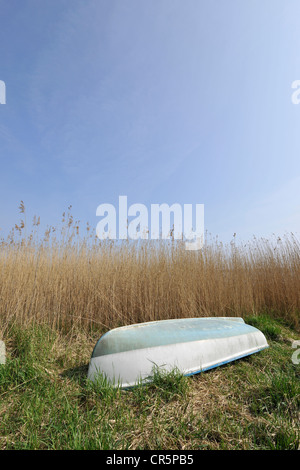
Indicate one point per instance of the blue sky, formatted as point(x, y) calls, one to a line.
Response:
point(161, 100)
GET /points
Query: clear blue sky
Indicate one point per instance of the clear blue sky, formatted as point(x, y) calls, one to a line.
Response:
point(169, 101)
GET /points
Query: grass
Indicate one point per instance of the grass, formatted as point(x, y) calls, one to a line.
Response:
point(46, 401)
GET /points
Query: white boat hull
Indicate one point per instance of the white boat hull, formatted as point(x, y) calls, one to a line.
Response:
point(128, 367)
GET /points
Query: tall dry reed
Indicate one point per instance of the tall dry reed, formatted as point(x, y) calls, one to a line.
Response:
point(67, 280)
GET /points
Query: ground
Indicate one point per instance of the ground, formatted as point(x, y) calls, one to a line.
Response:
point(46, 401)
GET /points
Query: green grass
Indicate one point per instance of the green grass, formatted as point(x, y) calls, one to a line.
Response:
point(46, 401)
point(266, 325)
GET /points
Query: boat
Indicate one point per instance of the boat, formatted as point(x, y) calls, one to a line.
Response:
point(128, 355)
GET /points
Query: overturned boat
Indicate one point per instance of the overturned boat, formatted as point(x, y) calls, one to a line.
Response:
point(128, 355)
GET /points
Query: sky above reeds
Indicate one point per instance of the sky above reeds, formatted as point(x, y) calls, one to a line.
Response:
point(163, 101)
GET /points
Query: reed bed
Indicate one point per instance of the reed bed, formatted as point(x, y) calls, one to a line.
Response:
point(67, 279)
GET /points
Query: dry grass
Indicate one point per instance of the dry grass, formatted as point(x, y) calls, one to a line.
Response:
point(68, 280)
